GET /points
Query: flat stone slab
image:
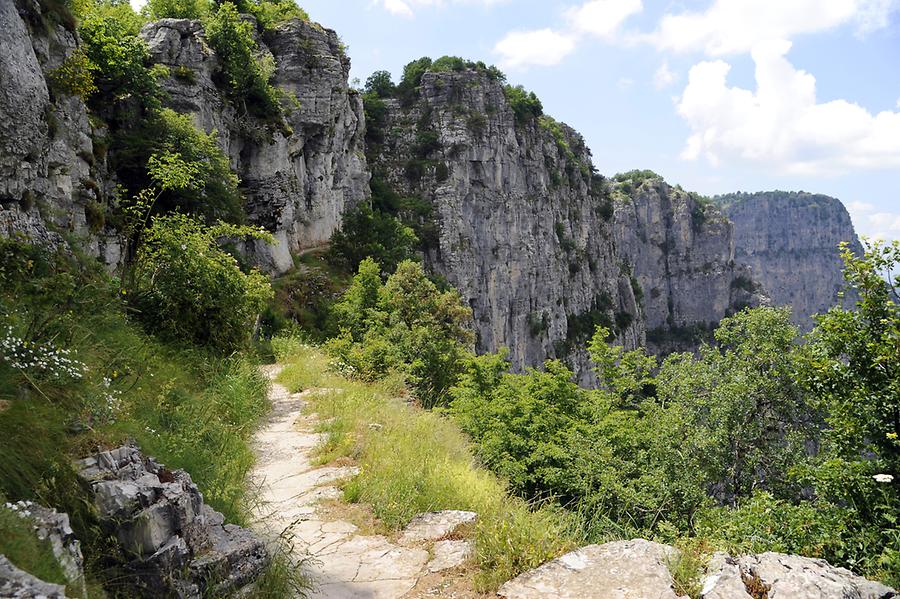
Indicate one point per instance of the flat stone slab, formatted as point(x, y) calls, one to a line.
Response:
point(633, 569)
point(449, 554)
point(787, 577)
point(17, 584)
point(432, 526)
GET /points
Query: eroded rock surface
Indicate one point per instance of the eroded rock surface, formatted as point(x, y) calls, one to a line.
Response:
point(787, 577)
point(635, 569)
point(17, 584)
point(174, 542)
point(433, 526)
point(790, 240)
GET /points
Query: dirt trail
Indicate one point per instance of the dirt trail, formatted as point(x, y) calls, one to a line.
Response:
point(344, 564)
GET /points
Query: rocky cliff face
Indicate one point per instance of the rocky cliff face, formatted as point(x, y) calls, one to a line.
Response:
point(681, 251)
point(524, 228)
point(297, 182)
point(51, 170)
point(790, 240)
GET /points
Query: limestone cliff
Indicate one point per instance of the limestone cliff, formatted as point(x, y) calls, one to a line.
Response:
point(681, 250)
point(51, 169)
point(297, 182)
point(790, 240)
point(523, 225)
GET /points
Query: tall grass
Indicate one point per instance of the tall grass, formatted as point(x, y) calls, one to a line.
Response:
point(414, 461)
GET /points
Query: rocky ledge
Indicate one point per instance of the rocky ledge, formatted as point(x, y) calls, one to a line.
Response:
point(175, 543)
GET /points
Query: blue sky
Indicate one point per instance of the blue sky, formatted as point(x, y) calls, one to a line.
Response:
point(717, 95)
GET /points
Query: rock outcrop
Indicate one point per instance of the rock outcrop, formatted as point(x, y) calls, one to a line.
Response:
point(635, 569)
point(17, 584)
point(681, 251)
point(522, 227)
point(779, 576)
point(297, 181)
point(52, 173)
point(175, 543)
point(790, 240)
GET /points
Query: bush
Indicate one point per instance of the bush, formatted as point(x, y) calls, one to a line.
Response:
point(406, 325)
point(169, 153)
point(121, 59)
point(525, 105)
point(75, 76)
point(186, 287)
point(380, 84)
point(246, 77)
point(366, 233)
point(177, 9)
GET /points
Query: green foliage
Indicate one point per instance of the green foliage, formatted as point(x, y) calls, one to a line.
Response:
point(270, 13)
point(184, 286)
point(376, 117)
point(169, 153)
point(406, 325)
point(380, 84)
point(636, 177)
point(76, 374)
point(246, 76)
point(408, 88)
point(525, 105)
point(75, 76)
point(368, 233)
point(177, 9)
point(120, 59)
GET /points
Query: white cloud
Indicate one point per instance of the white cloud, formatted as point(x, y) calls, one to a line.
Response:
point(543, 47)
point(868, 220)
point(736, 26)
point(664, 77)
point(625, 83)
point(398, 7)
point(602, 18)
point(781, 123)
point(406, 8)
point(898, 102)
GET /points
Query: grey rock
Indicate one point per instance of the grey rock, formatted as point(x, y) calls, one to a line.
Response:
point(787, 577)
point(174, 541)
point(17, 584)
point(54, 527)
point(432, 526)
point(449, 554)
point(635, 569)
point(790, 240)
point(682, 254)
point(299, 180)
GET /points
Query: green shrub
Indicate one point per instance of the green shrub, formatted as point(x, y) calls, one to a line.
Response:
point(405, 324)
point(186, 287)
point(75, 76)
point(366, 233)
point(270, 13)
point(169, 153)
point(246, 77)
point(525, 105)
point(380, 84)
point(177, 9)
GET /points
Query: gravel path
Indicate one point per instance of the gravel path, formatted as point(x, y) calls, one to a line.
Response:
point(344, 565)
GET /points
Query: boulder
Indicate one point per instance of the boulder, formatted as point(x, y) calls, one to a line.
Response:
point(174, 541)
point(432, 526)
point(17, 584)
point(635, 569)
point(782, 576)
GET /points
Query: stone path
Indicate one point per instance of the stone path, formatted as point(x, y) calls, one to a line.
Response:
point(344, 564)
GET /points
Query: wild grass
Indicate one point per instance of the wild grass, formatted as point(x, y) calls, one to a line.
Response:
point(183, 405)
point(413, 461)
point(19, 544)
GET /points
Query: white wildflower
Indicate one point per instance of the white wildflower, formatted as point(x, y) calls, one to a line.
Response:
point(883, 478)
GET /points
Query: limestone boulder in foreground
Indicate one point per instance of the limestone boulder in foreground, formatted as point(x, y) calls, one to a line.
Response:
point(176, 545)
point(635, 569)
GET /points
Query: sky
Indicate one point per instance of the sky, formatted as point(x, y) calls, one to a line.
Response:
point(717, 95)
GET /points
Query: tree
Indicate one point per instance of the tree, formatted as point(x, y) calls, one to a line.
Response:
point(186, 287)
point(380, 84)
point(368, 233)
